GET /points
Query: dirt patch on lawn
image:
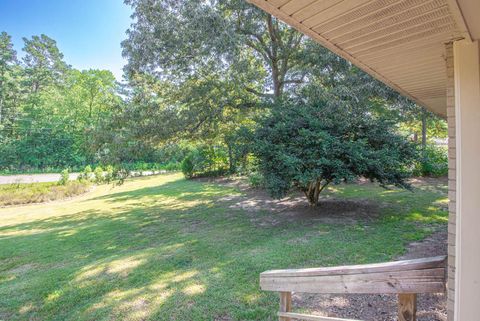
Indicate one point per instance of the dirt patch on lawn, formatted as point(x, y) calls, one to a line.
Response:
point(296, 210)
point(295, 207)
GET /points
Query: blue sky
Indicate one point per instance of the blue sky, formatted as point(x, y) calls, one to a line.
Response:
point(88, 32)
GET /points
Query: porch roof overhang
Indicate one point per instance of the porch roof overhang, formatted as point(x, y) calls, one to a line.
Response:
point(400, 42)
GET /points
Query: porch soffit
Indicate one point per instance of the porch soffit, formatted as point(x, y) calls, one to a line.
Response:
point(400, 42)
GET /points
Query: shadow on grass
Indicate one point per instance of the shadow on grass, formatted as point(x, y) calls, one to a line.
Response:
point(169, 252)
point(181, 190)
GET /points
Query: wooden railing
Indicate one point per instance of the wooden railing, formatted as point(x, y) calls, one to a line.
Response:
point(405, 278)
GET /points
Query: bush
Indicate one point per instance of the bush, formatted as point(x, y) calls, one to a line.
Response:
point(64, 178)
point(188, 166)
point(172, 166)
point(205, 161)
point(120, 175)
point(433, 162)
point(86, 174)
point(109, 172)
point(98, 173)
point(308, 146)
point(256, 180)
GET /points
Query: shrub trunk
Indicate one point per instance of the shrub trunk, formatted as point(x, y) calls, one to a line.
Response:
point(314, 190)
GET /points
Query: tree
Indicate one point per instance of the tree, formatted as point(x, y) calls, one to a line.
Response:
point(309, 145)
point(178, 39)
point(8, 79)
point(88, 100)
point(227, 54)
point(43, 62)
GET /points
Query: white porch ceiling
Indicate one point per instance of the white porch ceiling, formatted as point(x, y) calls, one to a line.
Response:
point(400, 42)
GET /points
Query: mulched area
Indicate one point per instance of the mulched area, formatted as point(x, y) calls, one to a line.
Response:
point(430, 307)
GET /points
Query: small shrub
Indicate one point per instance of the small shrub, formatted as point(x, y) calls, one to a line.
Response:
point(109, 172)
point(188, 166)
point(64, 178)
point(98, 174)
point(86, 175)
point(120, 175)
point(256, 180)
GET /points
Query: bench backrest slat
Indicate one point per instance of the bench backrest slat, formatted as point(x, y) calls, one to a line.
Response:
point(413, 276)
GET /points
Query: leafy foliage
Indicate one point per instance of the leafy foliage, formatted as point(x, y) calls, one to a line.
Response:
point(433, 161)
point(48, 111)
point(205, 160)
point(98, 175)
point(64, 177)
point(197, 74)
point(311, 145)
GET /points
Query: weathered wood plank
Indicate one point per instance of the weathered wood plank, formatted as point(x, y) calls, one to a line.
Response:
point(407, 307)
point(418, 264)
point(416, 281)
point(306, 317)
point(285, 305)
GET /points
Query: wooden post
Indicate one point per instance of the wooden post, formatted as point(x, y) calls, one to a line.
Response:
point(407, 307)
point(285, 304)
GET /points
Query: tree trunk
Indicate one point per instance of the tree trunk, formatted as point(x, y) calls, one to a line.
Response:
point(314, 190)
point(274, 57)
point(277, 88)
point(424, 131)
point(1, 108)
point(231, 164)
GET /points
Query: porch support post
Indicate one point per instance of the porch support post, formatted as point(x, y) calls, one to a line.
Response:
point(452, 181)
point(467, 123)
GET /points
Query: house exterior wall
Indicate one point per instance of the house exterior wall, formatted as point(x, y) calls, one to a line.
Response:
point(466, 291)
point(451, 180)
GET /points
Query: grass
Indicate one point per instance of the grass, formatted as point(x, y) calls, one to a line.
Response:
point(163, 248)
point(16, 194)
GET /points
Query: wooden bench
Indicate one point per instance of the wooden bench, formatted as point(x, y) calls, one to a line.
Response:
point(405, 278)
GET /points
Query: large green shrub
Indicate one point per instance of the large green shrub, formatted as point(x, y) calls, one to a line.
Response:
point(311, 145)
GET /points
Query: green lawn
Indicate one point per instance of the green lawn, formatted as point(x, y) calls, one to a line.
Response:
point(163, 248)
